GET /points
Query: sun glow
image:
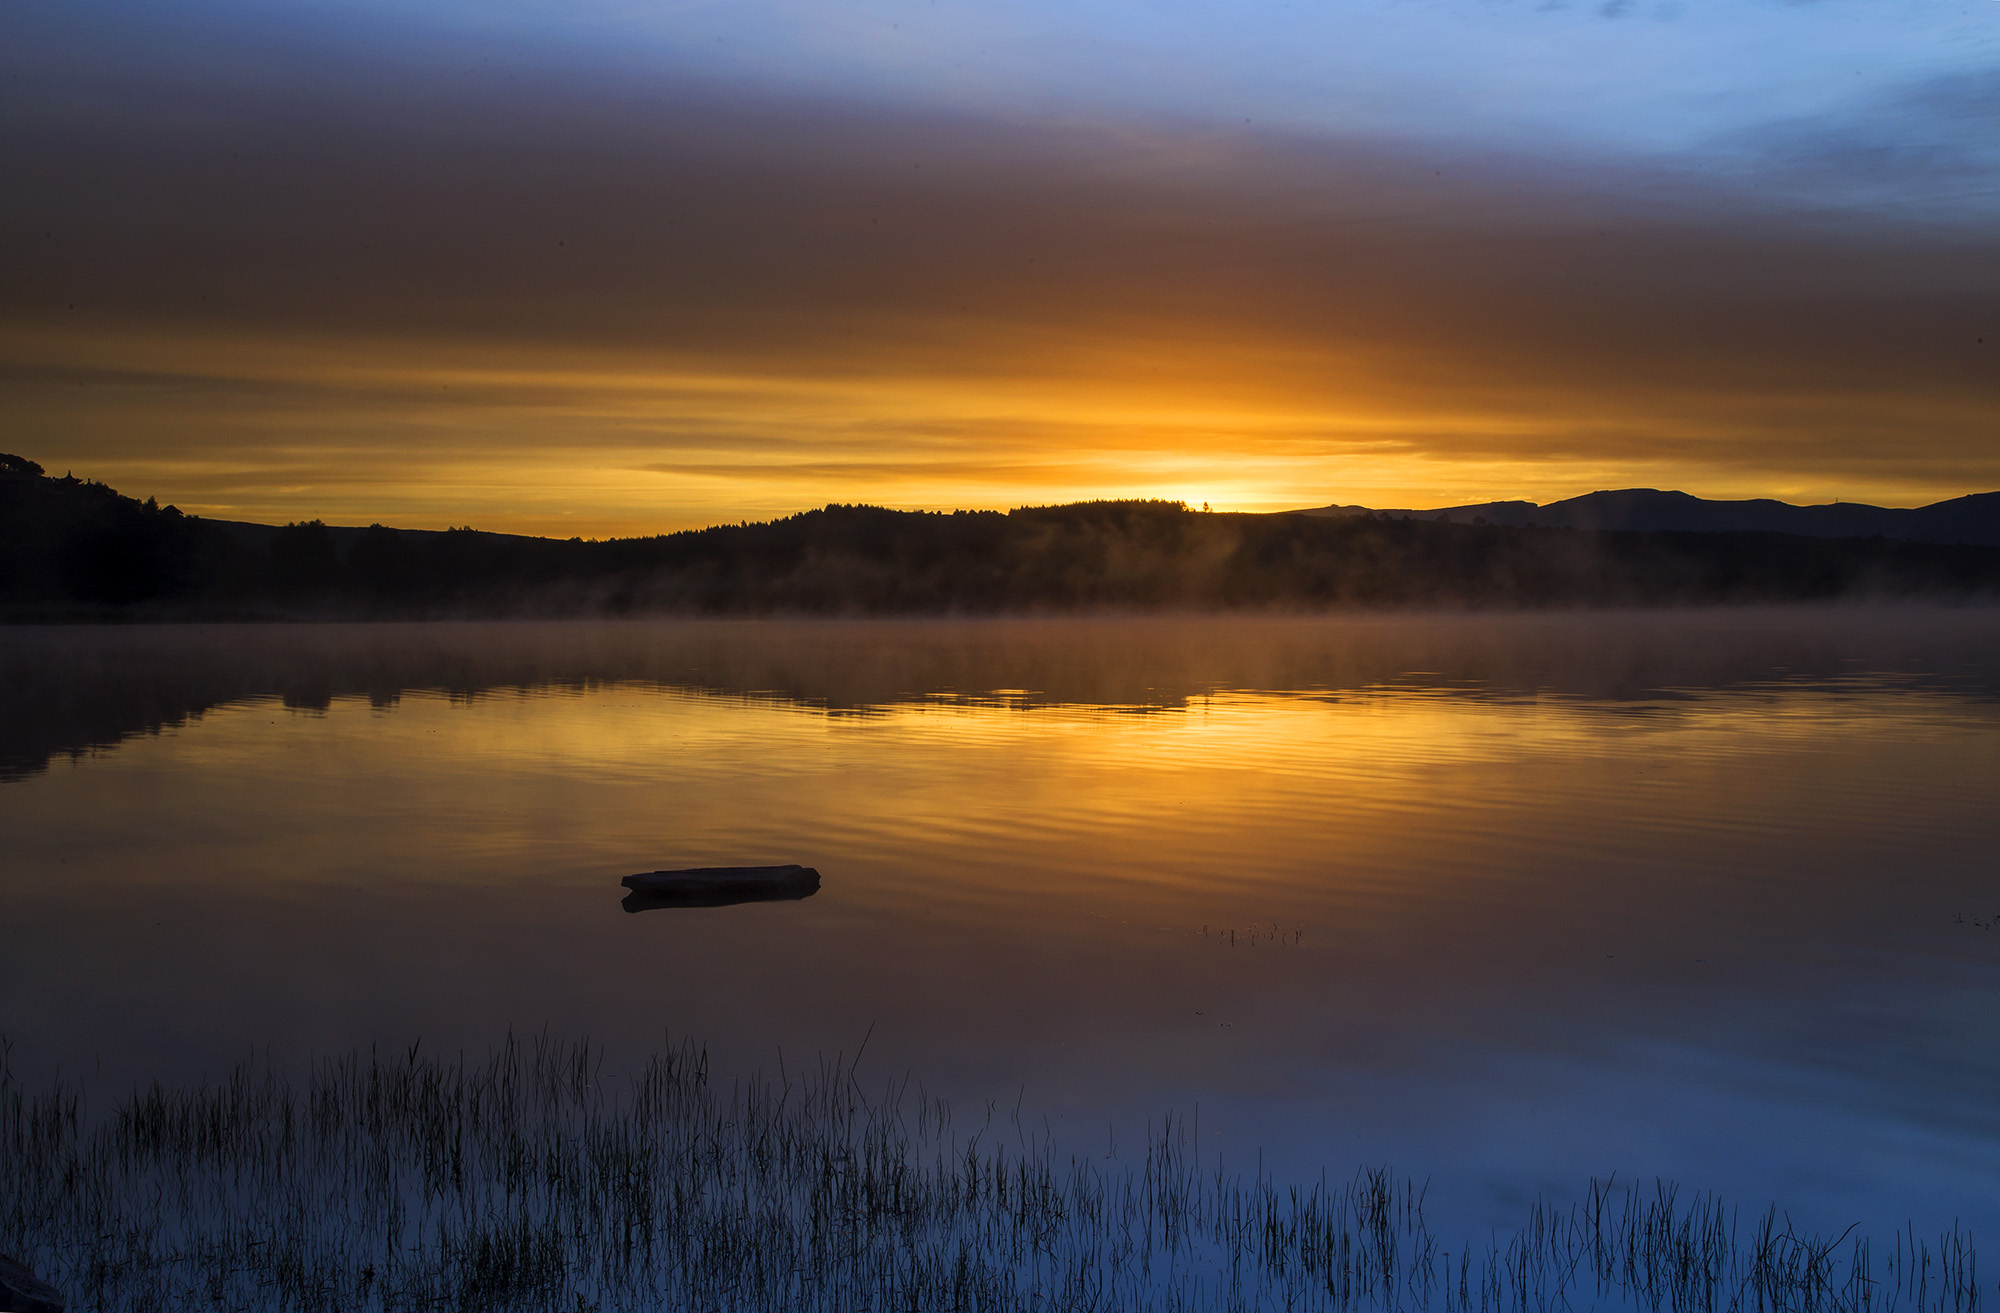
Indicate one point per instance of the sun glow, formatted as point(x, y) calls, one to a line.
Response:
point(427, 433)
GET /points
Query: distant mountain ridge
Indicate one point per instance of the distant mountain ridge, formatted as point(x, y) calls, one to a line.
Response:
point(1972, 520)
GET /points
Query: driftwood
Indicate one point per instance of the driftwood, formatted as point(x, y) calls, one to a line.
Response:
point(21, 1291)
point(718, 886)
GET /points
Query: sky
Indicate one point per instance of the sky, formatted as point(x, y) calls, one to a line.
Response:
point(609, 267)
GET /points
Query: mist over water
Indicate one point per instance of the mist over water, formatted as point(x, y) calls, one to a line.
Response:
point(1502, 902)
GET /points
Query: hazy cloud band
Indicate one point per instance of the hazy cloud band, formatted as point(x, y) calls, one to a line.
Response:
point(367, 294)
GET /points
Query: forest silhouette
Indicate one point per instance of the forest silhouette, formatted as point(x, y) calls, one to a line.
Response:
point(73, 549)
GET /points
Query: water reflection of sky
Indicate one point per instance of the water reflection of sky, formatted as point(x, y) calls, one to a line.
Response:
point(1504, 940)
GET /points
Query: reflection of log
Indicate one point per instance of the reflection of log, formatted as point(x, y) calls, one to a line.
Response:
point(22, 1291)
point(718, 886)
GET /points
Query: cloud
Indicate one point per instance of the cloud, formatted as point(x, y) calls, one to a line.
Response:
point(487, 295)
point(1927, 149)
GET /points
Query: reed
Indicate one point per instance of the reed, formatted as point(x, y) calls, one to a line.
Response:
point(532, 1181)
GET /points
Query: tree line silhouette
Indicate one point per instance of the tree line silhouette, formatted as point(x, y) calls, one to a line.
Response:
point(77, 549)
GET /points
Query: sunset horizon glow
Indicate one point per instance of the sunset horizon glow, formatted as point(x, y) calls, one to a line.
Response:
point(629, 270)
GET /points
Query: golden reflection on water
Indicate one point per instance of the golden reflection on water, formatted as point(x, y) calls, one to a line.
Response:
point(1307, 797)
point(1513, 900)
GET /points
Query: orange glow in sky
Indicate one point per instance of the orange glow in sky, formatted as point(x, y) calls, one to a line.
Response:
point(563, 309)
point(571, 443)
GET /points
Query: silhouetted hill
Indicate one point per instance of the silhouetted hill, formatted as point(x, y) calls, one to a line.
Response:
point(71, 549)
point(68, 540)
point(1973, 520)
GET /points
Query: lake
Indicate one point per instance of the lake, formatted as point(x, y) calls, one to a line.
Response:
point(1504, 903)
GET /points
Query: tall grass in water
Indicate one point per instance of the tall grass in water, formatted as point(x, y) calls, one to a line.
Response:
point(411, 1182)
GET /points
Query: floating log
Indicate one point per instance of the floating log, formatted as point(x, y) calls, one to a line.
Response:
point(718, 886)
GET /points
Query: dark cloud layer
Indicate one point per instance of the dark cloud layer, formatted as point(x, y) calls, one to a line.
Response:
point(476, 209)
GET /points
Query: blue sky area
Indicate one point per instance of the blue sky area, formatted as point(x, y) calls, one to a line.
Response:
point(1857, 101)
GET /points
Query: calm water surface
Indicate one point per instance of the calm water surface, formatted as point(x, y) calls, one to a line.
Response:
point(1501, 902)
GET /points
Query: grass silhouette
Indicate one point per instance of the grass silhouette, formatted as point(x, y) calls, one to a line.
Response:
point(532, 1181)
